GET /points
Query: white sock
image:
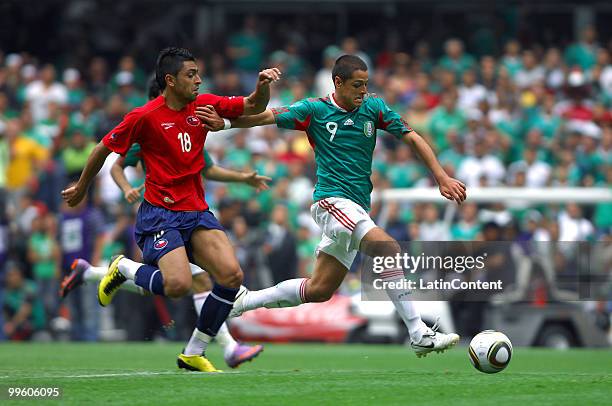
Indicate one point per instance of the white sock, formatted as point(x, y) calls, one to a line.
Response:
point(226, 341)
point(406, 308)
point(197, 343)
point(288, 293)
point(128, 267)
point(96, 273)
point(198, 300)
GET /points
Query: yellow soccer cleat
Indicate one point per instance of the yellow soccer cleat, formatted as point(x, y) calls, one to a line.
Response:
point(195, 363)
point(111, 282)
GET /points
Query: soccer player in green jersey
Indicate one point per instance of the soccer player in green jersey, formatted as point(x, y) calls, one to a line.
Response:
point(342, 130)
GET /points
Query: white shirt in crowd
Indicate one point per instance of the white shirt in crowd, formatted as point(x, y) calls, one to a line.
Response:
point(39, 96)
point(536, 174)
point(571, 229)
point(469, 97)
point(473, 168)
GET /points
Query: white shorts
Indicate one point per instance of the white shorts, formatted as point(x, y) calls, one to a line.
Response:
point(344, 223)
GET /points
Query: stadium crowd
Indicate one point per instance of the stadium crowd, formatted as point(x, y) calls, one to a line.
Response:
point(527, 117)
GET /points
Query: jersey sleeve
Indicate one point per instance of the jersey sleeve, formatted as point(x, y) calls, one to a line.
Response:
point(121, 138)
point(132, 157)
point(390, 121)
point(208, 161)
point(227, 107)
point(294, 117)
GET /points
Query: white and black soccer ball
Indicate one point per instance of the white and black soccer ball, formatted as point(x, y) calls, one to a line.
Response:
point(490, 351)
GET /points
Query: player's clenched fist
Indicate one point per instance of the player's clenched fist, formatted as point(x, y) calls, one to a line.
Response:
point(270, 75)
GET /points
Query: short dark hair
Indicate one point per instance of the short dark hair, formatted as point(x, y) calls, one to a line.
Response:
point(346, 65)
point(169, 62)
point(153, 88)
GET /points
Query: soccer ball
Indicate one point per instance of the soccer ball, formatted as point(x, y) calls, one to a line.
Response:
point(490, 351)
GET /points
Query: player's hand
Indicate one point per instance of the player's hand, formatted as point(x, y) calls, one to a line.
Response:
point(209, 118)
point(268, 76)
point(257, 181)
point(453, 189)
point(73, 195)
point(133, 194)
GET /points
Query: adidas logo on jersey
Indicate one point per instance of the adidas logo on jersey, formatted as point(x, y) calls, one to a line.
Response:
point(349, 122)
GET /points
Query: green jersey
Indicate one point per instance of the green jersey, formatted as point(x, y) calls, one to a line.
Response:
point(343, 142)
point(132, 157)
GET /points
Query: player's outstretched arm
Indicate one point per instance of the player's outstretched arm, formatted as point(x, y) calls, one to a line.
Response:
point(265, 118)
point(131, 194)
point(252, 179)
point(449, 187)
point(257, 101)
point(74, 194)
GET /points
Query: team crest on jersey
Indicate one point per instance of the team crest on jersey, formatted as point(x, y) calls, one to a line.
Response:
point(160, 244)
point(193, 120)
point(368, 129)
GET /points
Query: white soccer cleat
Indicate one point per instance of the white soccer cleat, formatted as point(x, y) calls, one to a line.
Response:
point(433, 340)
point(238, 309)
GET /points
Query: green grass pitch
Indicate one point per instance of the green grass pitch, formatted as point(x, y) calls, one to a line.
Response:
point(306, 374)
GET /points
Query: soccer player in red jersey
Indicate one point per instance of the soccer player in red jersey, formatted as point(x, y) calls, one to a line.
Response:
point(174, 225)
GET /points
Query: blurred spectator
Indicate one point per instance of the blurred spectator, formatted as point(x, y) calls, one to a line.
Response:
point(554, 71)
point(573, 226)
point(468, 227)
point(41, 92)
point(75, 154)
point(432, 228)
point(323, 83)
point(446, 117)
point(583, 52)
point(280, 246)
point(246, 49)
point(350, 46)
point(455, 58)
point(530, 72)
point(26, 158)
point(471, 93)
point(511, 60)
point(44, 255)
point(537, 172)
point(81, 236)
point(23, 312)
point(483, 165)
point(72, 80)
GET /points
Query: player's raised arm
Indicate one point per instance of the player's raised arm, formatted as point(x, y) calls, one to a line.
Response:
point(74, 194)
point(450, 188)
point(257, 101)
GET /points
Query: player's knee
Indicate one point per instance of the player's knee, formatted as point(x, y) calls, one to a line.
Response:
point(232, 277)
point(176, 287)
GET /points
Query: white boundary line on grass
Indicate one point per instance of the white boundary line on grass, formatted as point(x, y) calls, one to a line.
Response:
point(132, 374)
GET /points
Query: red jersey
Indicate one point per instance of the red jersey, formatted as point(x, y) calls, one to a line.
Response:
point(171, 145)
